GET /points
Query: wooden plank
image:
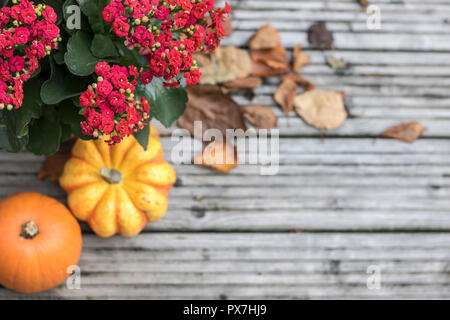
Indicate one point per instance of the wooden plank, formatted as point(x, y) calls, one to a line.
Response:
point(372, 70)
point(355, 127)
point(296, 16)
point(364, 81)
point(308, 220)
point(334, 15)
point(316, 146)
point(339, 6)
point(360, 27)
point(371, 90)
point(345, 41)
point(335, 184)
point(418, 59)
point(243, 291)
point(269, 265)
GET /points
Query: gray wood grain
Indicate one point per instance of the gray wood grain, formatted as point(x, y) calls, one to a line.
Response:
point(337, 205)
point(260, 265)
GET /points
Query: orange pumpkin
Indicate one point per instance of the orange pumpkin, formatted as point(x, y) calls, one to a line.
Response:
point(117, 189)
point(39, 240)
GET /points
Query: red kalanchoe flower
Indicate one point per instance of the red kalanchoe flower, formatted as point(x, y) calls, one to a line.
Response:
point(27, 33)
point(110, 108)
point(104, 88)
point(187, 26)
point(192, 77)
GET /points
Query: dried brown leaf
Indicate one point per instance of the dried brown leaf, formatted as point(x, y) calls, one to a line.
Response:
point(320, 36)
point(302, 81)
point(408, 132)
point(270, 62)
point(236, 59)
point(285, 95)
point(216, 110)
point(230, 63)
point(300, 58)
point(219, 156)
point(261, 116)
point(321, 109)
point(263, 70)
point(276, 54)
point(266, 37)
point(243, 84)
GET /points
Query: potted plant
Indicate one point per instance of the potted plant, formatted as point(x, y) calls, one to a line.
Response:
point(98, 69)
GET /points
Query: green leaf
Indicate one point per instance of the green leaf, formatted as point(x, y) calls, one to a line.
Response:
point(9, 142)
point(66, 132)
point(31, 107)
point(103, 47)
point(92, 7)
point(96, 23)
point(166, 104)
point(58, 56)
point(62, 85)
point(45, 134)
point(9, 139)
point(78, 57)
point(69, 115)
point(142, 136)
point(4, 141)
point(93, 10)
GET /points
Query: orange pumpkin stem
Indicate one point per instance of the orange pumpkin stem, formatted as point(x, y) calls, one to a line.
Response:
point(111, 176)
point(29, 230)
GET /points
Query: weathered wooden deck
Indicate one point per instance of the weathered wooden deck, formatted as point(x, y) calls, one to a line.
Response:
point(359, 201)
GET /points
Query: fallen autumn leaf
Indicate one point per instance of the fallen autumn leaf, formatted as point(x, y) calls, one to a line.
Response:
point(285, 95)
point(266, 37)
point(270, 61)
point(216, 110)
point(408, 132)
point(262, 117)
point(230, 63)
point(302, 81)
point(219, 156)
point(321, 109)
point(320, 36)
point(243, 84)
point(300, 58)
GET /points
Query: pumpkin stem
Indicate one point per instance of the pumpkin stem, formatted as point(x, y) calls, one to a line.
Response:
point(110, 175)
point(29, 230)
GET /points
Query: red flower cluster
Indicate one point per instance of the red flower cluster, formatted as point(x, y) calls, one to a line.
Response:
point(167, 32)
point(110, 106)
point(27, 33)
